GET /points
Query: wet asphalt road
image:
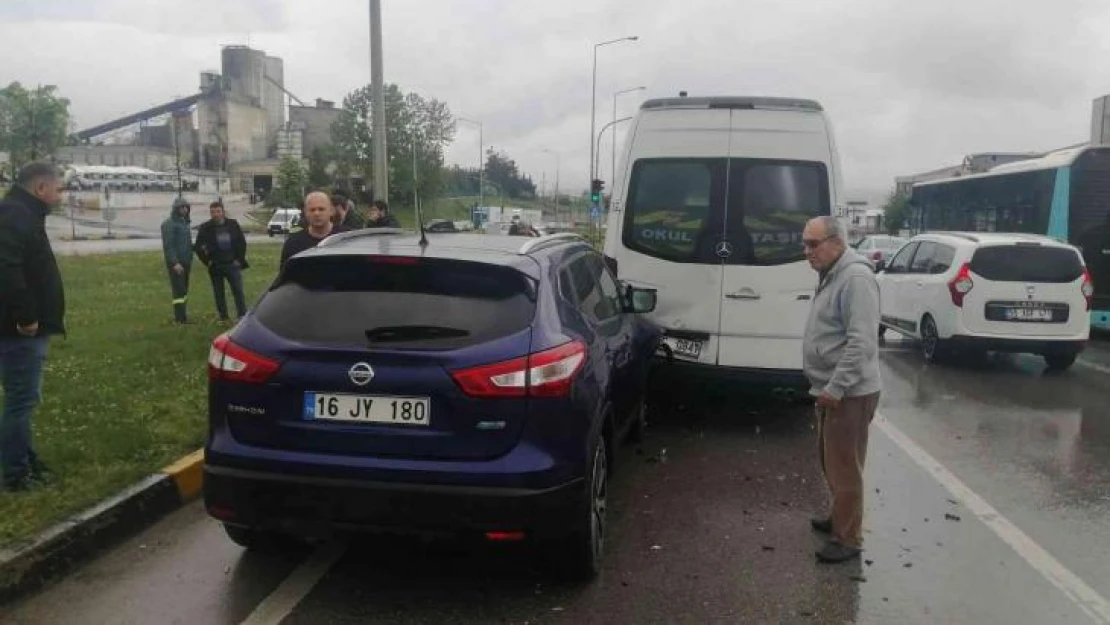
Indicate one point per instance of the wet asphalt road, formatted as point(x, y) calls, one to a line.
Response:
point(715, 529)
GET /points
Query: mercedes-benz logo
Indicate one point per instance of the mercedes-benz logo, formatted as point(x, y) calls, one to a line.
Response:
point(361, 373)
point(724, 249)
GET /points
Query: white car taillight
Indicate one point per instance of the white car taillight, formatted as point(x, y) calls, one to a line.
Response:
point(961, 285)
point(1088, 289)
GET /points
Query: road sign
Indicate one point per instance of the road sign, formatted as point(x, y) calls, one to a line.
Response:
point(595, 212)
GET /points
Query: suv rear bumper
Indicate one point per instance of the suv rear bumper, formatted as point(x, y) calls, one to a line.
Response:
point(310, 505)
point(1018, 346)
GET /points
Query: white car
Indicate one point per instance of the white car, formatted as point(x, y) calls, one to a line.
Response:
point(878, 248)
point(969, 293)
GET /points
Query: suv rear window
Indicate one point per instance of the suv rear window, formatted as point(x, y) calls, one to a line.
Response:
point(1027, 263)
point(431, 304)
point(681, 209)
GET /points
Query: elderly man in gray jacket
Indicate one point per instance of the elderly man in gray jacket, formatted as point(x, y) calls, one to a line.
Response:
point(841, 362)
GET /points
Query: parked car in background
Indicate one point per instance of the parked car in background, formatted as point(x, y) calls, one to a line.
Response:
point(968, 293)
point(476, 386)
point(879, 248)
point(283, 221)
point(442, 225)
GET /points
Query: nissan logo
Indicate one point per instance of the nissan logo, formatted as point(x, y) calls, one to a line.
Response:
point(361, 373)
point(724, 249)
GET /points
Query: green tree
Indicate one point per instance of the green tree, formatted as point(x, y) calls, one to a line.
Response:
point(413, 123)
point(289, 184)
point(33, 122)
point(895, 212)
point(503, 171)
point(318, 162)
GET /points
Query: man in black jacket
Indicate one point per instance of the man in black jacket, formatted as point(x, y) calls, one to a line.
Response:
point(319, 225)
point(32, 308)
point(380, 216)
point(221, 247)
point(345, 213)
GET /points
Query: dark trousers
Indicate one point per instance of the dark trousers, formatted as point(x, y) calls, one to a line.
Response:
point(21, 365)
point(179, 287)
point(842, 447)
point(233, 276)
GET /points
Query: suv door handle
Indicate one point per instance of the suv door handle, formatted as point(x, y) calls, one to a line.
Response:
point(744, 294)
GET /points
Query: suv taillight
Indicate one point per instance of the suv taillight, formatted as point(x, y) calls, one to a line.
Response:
point(232, 363)
point(1088, 289)
point(548, 373)
point(961, 285)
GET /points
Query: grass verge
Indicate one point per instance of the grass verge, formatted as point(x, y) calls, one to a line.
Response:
point(124, 393)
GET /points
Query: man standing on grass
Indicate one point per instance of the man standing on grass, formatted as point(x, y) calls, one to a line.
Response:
point(318, 212)
point(841, 361)
point(177, 249)
point(32, 308)
point(222, 248)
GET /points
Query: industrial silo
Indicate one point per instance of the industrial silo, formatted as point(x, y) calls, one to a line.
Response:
point(243, 71)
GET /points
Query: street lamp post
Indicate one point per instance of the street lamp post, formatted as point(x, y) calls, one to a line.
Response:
point(481, 159)
point(613, 171)
point(613, 125)
point(593, 103)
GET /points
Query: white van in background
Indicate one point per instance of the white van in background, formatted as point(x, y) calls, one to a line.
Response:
point(709, 203)
point(283, 221)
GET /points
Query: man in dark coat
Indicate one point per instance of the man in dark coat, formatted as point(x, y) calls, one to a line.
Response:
point(32, 308)
point(319, 225)
point(222, 248)
point(380, 216)
point(345, 213)
point(177, 250)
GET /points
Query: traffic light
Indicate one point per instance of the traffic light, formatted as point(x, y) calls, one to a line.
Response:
point(596, 187)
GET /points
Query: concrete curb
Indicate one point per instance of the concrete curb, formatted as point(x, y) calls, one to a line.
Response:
point(104, 237)
point(33, 564)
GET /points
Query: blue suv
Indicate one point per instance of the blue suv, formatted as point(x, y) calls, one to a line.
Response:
point(471, 385)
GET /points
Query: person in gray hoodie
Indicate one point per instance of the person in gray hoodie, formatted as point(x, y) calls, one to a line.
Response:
point(841, 362)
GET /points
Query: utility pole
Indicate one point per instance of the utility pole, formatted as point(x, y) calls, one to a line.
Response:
point(377, 94)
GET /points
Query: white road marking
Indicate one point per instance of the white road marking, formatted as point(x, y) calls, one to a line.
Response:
point(1087, 598)
point(281, 603)
point(1092, 365)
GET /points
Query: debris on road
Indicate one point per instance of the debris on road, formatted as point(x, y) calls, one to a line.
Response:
point(857, 578)
point(768, 548)
point(869, 562)
point(908, 565)
point(951, 517)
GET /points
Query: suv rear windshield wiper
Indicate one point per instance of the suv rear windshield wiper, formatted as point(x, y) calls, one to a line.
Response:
point(392, 334)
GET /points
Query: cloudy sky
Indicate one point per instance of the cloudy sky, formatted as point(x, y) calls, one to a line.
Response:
point(910, 85)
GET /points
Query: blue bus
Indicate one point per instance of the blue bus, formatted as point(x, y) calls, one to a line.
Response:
point(1064, 194)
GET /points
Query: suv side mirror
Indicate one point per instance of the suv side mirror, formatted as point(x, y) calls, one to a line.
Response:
point(640, 300)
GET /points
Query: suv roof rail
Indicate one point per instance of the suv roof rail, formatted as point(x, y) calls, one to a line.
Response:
point(959, 235)
point(358, 234)
point(549, 240)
